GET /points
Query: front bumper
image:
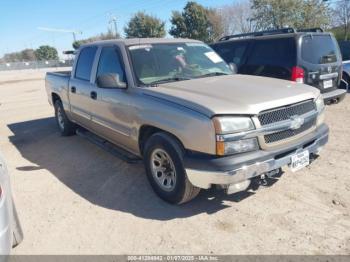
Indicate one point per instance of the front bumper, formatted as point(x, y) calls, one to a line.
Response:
point(204, 171)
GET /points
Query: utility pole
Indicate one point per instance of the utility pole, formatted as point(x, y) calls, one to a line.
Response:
point(113, 21)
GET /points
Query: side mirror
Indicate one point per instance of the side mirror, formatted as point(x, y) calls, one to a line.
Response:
point(233, 67)
point(110, 81)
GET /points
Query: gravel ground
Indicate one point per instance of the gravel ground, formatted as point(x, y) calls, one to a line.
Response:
point(74, 198)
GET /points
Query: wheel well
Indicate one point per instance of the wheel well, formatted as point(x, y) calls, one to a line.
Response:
point(55, 97)
point(147, 131)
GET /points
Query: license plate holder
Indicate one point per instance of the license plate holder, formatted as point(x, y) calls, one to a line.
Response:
point(327, 83)
point(300, 160)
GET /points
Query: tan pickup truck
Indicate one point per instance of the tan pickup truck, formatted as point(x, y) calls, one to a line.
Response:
point(176, 104)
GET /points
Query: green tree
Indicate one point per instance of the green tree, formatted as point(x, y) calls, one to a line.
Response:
point(275, 14)
point(315, 13)
point(103, 36)
point(342, 19)
point(46, 52)
point(196, 22)
point(143, 25)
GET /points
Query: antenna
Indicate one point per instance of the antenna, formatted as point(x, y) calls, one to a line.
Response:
point(58, 30)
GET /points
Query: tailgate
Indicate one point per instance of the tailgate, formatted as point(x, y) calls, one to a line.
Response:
point(321, 60)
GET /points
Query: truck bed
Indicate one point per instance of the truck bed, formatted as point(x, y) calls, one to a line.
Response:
point(60, 73)
point(57, 82)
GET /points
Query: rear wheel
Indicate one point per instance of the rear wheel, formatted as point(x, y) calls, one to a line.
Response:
point(66, 127)
point(163, 159)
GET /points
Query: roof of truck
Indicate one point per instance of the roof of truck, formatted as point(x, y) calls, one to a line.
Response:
point(143, 41)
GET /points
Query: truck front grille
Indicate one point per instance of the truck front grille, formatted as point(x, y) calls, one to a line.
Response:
point(271, 138)
point(284, 113)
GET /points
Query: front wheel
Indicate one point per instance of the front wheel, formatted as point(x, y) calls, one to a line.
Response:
point(163, 159)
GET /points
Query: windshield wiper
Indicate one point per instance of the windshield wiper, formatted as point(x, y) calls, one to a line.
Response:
point(169, 79)
point(213, 74)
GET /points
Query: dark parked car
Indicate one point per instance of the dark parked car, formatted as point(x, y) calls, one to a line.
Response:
point(308, 56)
point(345, 52)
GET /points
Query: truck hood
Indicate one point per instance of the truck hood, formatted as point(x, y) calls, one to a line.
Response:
point(233, 94)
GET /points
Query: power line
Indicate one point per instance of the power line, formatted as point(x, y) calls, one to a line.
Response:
point(73, 32)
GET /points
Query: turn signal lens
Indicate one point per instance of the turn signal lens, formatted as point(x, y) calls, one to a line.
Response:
point(220, 148)
point(235, 147)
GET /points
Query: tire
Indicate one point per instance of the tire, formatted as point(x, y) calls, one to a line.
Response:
point(66, 127)
point(171, 186)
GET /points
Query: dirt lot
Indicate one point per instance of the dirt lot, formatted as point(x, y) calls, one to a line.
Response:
point(74, 198)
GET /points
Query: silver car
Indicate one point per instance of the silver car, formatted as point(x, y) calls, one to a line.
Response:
point(10, 229)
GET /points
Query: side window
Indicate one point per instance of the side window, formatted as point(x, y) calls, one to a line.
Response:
point(279, 52)
point(272, 58)
point(232, 52)
point(110, 63)
point(85, 62)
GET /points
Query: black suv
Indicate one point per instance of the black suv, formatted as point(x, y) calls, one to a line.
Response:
point(308, 56)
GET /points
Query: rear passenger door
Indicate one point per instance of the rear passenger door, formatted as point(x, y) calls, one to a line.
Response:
point(272, 57)
point(80, 86)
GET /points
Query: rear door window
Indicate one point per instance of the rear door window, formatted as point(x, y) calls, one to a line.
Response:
point(272, 57)
point(319, 49)
point(232, 52)
point(85, 62)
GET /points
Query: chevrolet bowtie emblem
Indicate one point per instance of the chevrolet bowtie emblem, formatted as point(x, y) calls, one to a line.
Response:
point(297, 122)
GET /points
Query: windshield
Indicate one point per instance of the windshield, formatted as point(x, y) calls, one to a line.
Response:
point(319, 49)
point(160, 63)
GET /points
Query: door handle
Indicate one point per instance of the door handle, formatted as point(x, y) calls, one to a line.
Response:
point(73, 89)
point(93, 95)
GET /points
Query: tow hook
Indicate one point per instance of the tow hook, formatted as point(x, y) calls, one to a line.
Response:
point(262, 180)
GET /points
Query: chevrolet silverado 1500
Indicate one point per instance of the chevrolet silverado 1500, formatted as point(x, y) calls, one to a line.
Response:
point(176, 104)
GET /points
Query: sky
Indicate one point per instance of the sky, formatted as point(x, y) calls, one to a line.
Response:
point(20, 20)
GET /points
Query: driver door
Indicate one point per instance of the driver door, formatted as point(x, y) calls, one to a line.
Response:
point(111, 106)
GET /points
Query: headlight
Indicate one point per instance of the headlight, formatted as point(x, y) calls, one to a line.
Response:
point(320, 109)
point(319, 104)
point(232, 124)
point(238, 146)
point(226, 125)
